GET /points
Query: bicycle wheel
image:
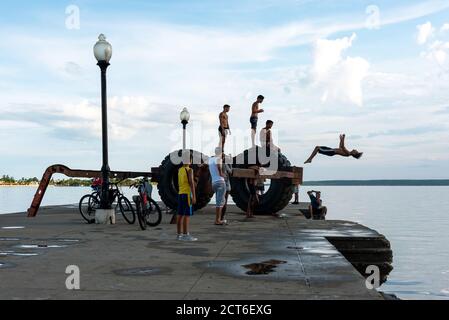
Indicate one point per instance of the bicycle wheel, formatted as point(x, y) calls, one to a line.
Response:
point(154, 214)
point(140, 212)
point(127, 210)
point(88, 206)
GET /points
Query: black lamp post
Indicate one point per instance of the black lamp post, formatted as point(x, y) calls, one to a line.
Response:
point(185, 117)
point(103, 54)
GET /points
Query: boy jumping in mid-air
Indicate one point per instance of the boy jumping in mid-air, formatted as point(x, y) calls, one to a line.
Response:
point(340, 151)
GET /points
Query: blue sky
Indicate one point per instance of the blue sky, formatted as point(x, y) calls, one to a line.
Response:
point(377, 71)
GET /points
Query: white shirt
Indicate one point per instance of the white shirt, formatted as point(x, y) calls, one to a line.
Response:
point(213, 169)
point(263, 138)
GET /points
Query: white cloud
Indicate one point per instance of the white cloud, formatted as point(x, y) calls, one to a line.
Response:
point(438, 50)
point(341, 76)
point(328, 53)
point(445, 27)
point(425, 32)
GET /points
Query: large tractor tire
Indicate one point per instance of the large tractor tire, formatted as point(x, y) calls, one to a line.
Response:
point(168, 181)
point(276, 198)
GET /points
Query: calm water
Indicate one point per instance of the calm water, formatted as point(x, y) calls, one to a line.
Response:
point(414, 219)
point(18, 199)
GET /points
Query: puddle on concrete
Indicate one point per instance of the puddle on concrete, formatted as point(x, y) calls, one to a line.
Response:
point(9, 239)
point(327, 256)
point(295, 248)
point(40, 246)
point(6, 265)
point(403, 283)
point(321, 251)
point(194, 252)
point(18, 254)
point(284, 269)
point(265, 267)
point(13, 228)
point(62, 240)
point(140, 272)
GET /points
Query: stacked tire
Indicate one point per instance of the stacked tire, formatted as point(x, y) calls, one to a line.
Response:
point(280, 192)
point(168, 180)
point(276, 198)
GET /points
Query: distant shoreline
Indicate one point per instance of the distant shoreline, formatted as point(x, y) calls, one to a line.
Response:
point(380, 183)
point(335, 183)
point(36, 186)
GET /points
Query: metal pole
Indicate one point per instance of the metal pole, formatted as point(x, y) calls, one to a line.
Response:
point(105, 203)
point(184, 126)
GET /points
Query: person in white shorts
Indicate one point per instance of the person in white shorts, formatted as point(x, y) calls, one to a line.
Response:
point(218, 183)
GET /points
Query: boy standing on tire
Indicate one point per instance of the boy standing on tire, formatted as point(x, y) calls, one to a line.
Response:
point(224, 129)
point(255, 110)
point(186, 200)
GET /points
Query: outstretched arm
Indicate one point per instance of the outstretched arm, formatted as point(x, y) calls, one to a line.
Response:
point(191, 180)
point(342, 141)
point(343, 144)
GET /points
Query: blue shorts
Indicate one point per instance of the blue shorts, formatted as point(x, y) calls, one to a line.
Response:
point(184, 208)
point(253, 121)
point(220, 193)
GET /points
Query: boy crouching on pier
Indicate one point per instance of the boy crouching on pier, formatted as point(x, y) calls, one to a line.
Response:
point(186, 200)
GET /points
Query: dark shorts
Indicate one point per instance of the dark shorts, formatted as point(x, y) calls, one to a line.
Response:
point(184, 209)
point(222, 132)
point(253, 121)
point(252, 189)
point(318, 214)
point(327, 151)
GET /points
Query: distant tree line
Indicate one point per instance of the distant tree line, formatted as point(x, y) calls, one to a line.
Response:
point(8, 180)
point(380, 183)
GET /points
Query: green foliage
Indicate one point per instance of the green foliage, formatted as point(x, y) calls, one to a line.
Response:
point(8, 180)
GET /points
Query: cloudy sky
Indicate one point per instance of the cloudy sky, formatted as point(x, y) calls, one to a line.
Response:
point(375, 70)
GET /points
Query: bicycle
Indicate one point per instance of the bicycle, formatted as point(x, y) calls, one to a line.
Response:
point(148, 211)
point(91, 202)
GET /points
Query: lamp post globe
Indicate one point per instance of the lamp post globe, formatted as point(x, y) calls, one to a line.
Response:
point(185, 117)
point(103, 54)
point(103, 49)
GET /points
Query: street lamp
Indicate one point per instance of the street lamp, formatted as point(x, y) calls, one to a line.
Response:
point(103, 54)
point(185, 117)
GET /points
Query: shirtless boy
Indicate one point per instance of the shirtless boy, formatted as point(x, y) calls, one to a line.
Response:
point(340, 151)
point(224, 129)
point(255, 110)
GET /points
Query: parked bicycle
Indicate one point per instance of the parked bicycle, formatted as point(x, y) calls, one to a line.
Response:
point(148, 211)
point(91, 202)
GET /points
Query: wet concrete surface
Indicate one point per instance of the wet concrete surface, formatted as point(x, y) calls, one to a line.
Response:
point(284, 257)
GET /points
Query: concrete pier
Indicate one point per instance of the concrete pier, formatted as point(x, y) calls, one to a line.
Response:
point(296, 258)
